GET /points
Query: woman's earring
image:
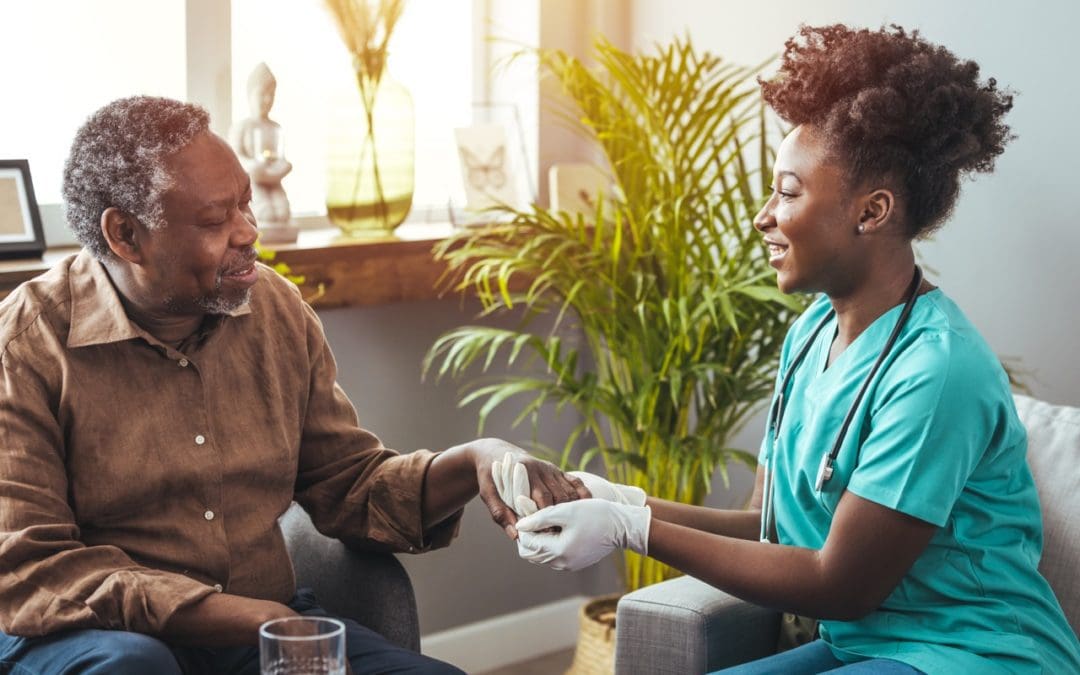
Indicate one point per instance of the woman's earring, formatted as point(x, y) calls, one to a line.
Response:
point(861, 228)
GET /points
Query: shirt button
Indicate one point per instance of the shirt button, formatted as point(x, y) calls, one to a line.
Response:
point(200, 439)
point(218, 587)
point(209, 515)
point(183, 363)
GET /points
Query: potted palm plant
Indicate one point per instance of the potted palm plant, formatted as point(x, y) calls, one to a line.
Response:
point(668, 321)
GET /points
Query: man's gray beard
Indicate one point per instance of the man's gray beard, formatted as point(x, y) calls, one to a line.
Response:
point(221, 305)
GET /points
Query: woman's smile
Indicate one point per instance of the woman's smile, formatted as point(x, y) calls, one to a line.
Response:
point(777, 251)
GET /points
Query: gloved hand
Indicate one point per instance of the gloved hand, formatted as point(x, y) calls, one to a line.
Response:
point(512, 482)
point(601, 488)
point(590, 530)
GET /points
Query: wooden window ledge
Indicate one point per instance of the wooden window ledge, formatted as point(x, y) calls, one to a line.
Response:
point(352, 272)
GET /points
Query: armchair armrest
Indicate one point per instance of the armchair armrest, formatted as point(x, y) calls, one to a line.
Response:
point(370, 588)
point(686, 626)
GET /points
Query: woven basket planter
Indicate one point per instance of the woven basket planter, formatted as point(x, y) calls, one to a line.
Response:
point(595, 652)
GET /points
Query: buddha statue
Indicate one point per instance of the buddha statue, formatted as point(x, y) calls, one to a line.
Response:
point(257, 142)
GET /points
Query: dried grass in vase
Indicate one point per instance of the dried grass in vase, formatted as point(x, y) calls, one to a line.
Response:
point(365, 27)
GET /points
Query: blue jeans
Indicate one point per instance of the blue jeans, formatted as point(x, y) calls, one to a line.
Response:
point(814, 658)
point(113, 652)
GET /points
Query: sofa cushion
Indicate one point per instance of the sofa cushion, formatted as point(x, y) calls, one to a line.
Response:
point(1054, 457)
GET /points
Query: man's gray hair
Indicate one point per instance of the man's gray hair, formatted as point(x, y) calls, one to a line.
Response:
point(118, 160)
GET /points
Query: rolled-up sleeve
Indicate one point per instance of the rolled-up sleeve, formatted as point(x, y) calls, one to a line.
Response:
point(49, 580)
point(354, 488)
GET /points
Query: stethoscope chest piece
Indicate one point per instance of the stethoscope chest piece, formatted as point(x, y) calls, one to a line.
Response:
point(824, 473)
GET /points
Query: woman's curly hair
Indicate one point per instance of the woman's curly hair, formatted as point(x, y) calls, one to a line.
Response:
point(118, 160)
point(893, 106)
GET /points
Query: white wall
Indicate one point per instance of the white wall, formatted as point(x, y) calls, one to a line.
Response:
point(1007, 256)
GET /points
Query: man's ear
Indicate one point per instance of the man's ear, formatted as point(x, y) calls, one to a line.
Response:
point(877, 209)
point(122, 234)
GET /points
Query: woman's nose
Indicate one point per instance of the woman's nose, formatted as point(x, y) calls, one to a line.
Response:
point(763, 219)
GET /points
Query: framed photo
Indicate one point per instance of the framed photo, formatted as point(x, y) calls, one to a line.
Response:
point(20, 221)
point(488, 176)
point(495, 169)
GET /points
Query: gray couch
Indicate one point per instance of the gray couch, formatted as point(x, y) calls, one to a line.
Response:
point(685, 626)
point(371, 588)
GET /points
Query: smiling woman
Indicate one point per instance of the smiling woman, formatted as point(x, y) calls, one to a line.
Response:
point(894, 454)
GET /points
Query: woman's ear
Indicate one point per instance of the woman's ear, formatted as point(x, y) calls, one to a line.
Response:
point(877, 209)
point(122, 234)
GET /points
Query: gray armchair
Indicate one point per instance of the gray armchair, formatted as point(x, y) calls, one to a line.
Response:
point(686, 626)
point(370, 588)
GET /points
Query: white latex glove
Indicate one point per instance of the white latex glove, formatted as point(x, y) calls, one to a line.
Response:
point(602, 488)
point(512, 482)
point(590, 530)
point(523, 503)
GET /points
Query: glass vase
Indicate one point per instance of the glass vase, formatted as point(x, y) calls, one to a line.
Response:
point(371, 156)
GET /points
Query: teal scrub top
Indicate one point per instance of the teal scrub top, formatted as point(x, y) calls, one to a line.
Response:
point(936, 437)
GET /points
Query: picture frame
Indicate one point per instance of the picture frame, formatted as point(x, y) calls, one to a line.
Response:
point(495, 167)
point(21, 234)
point(488, 179)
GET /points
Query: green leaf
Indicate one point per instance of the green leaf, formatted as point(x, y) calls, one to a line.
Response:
point(770, 294)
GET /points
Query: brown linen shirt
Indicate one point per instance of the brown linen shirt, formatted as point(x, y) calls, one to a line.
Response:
point(136, 479)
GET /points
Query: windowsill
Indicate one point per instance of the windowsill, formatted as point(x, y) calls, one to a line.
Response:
point(364, 272)
point(353, 272)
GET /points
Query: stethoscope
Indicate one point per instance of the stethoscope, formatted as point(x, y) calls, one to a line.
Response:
point(776, 412)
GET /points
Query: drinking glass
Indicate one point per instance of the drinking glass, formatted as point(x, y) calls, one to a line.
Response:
point(305, 645)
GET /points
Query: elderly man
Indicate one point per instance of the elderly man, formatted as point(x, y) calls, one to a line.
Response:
point(163, 399)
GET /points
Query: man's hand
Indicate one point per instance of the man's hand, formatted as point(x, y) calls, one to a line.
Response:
point(590, 529)
point(457, 474)
point(512, 482)
point(546, 484)
point(601, 488)
point(223, 620)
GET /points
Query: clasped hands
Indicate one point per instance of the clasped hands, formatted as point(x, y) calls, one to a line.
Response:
point(575, 534)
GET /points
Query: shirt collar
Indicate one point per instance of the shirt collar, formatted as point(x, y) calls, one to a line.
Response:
point(97, 314)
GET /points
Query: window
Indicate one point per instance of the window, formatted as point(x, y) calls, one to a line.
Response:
point(431, 54)
point(57, 70)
